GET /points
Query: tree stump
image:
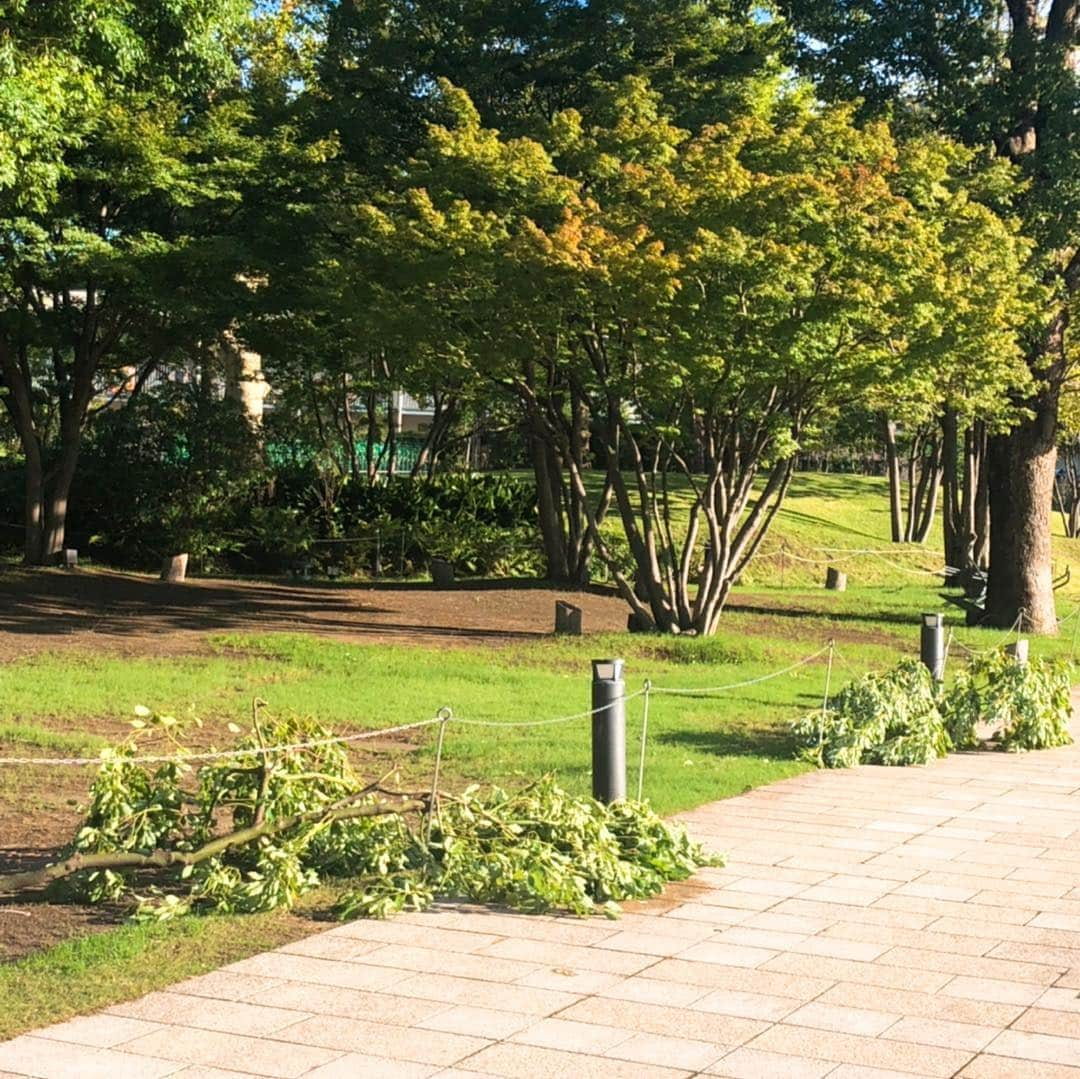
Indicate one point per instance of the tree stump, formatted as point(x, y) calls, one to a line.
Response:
point(567, 618)
point(835, 580)
point(1018, 651)
point(174, 567)
point(442, 573)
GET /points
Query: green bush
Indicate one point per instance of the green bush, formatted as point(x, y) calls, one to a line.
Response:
point(172, 471)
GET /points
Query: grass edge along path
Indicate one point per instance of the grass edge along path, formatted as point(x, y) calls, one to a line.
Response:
point(88, 973)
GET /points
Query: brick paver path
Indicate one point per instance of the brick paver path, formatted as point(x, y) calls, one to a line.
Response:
point(871, 922)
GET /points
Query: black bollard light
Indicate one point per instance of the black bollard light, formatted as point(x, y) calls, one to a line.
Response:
point(608, 731)
point(932, 645)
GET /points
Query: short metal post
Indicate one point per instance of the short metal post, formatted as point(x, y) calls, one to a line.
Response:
point(376, 564)
point(608, 731)
point(932, 645)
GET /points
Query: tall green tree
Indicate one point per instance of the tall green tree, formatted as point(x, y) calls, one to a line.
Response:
point(119, 168)
point(1005, 74)
point(686, 309)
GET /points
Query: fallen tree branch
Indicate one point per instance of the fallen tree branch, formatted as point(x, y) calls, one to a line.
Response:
point(13, 883)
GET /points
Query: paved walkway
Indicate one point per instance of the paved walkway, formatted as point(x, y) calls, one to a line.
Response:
point(871, 923)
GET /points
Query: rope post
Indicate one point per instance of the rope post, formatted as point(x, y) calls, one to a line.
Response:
point(783, 562)
point(644, 735)
point(1076, 630)
point(376, 564)
point(608, 731)
point(444, 715)
point(932, 644)
point(825, 699)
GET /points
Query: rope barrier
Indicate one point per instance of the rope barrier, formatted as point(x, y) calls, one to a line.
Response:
point(644, 734)
point(1014, 628)
point(445, 717)
point(229, 754)
point(542, 722)
point(848, 554)
point(693, 692)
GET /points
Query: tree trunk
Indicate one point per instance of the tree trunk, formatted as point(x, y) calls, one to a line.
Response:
point(980, 554)
point(56, 494)
point(955, 494)
point(548, 501)
point(34, 522)
point(892, 468)
point(1021, 487)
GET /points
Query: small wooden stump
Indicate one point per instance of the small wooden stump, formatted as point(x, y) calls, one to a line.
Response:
point(567, 618)
point(442, 573)
point(835, 580)
point(174, 567)
point(69, 558)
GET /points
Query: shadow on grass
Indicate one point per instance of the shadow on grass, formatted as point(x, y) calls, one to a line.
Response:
point(736, 741)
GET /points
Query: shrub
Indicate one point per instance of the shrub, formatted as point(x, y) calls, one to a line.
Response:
point(171, 471)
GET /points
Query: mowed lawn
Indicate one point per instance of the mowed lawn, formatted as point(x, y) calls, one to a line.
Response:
point(701, 747)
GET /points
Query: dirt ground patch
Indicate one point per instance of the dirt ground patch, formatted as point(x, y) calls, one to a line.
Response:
point(139, 615)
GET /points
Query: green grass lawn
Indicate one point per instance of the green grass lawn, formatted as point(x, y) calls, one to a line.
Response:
point(699, 748)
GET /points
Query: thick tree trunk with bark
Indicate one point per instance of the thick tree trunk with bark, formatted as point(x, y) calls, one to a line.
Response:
point(1022, 465)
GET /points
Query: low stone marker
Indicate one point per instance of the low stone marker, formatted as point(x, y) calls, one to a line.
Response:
point(567, 618)
point(442, 573)
point(174, 567)
point(835, 580)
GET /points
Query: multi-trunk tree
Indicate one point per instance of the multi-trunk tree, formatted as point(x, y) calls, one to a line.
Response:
point(683, 309)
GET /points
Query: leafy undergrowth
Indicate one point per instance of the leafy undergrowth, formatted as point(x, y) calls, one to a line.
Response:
point(260, 825)
point(904, 717)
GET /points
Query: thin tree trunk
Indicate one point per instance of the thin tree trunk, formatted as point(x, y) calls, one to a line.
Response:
point(550, 514)
point(980, 553)
point(954, 494)
point(892, 468)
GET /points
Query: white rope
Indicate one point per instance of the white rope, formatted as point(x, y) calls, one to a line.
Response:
point(694, 692)
point(1014, 628)
point(544, 722)
point(848, 554)
point(228, 754)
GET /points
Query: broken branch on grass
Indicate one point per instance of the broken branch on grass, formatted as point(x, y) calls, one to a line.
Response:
point(13, 883)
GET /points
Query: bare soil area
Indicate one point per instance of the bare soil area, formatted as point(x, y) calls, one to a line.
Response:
point(140, 615)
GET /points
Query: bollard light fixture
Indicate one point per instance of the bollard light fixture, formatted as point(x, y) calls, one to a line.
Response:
point(608, 731)
point(932, 644)
point(607, 670)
